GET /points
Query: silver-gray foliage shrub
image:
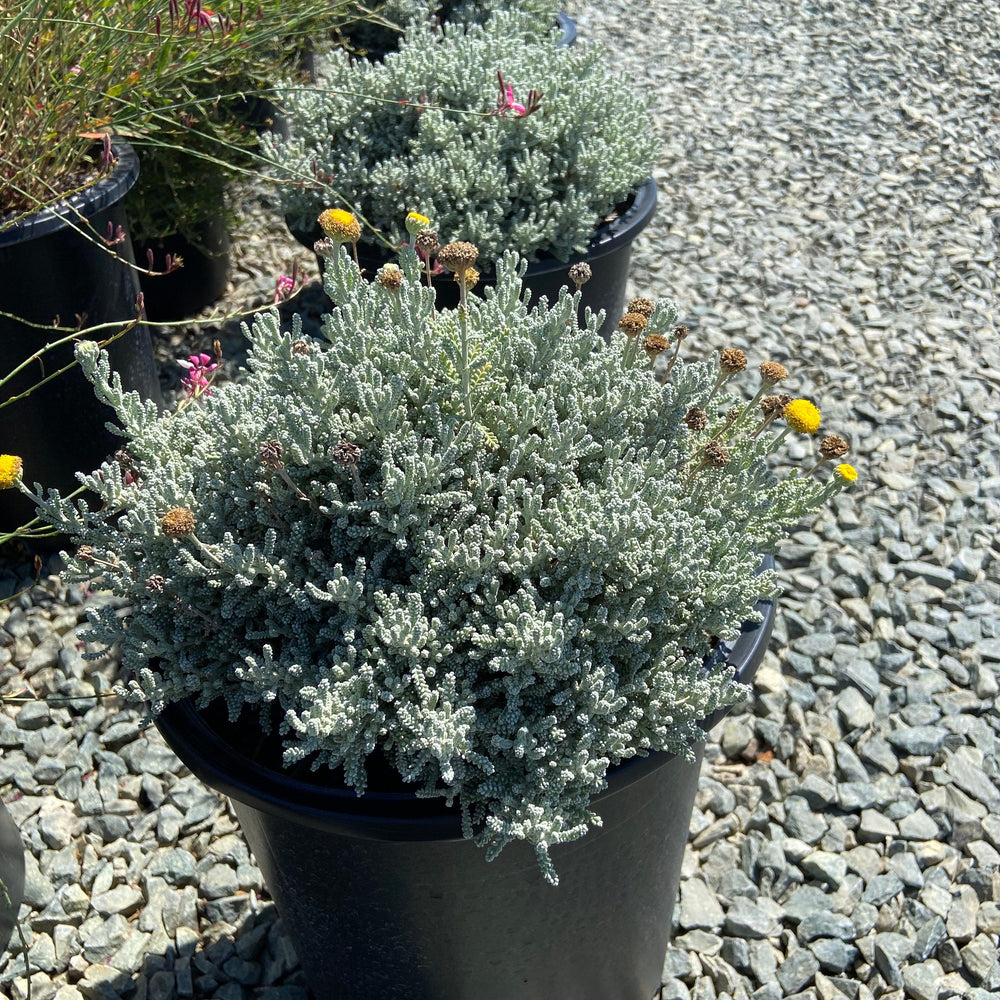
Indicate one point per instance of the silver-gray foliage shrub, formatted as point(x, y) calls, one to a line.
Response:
point(414, 133)
point(504, 605)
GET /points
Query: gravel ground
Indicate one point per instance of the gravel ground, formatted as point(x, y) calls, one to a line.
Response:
point(830, 198)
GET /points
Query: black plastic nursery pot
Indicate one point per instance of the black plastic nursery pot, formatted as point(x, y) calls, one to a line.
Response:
point(56, 268)
point(609, 255)
point(201, 280)
point(383, 898)
point(11, 875)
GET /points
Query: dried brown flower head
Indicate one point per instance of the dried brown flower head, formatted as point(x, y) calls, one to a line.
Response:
point(773, 405)
point(270, 453)
point(632, 324)
point(654, 345)
point(681, 331)
point(346, 453)
point(642, 305)
point(458, 256)
point(580, 273)
point(178, 522)
point(85, 553)
point(427, 242)
point(716, 455)
point(772, 372)
point(696, 418)
point(324, 248)
point(155, 583)
point(300, 347)
point(390, 276)
point(732, 360)
point(833, 446)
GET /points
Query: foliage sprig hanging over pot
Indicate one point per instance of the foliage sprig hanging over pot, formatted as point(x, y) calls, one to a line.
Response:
point(444, 126)
point(480, 544)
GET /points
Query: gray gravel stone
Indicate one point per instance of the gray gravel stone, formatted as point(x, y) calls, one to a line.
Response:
point(699, 906)
point(797, 971)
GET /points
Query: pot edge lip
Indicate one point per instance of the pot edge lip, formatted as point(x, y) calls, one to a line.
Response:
point(106, 192)
point(376, 815)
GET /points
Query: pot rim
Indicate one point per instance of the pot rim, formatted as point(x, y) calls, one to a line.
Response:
point(81, 205)
point(395, 815)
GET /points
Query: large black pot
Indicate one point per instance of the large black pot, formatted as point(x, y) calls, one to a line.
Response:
point(609, 255)
point(54, 266)
point(383, 898)
point(11, 875)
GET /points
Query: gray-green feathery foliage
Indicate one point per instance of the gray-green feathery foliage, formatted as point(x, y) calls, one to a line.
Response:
point(504, 606)
point(419, 132)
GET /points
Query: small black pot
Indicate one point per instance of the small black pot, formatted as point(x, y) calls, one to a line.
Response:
point(201, 280)
point(383, 898)
point(54, 265)
point(609, 255)
point(11, 875)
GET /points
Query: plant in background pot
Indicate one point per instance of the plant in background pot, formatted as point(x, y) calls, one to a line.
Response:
point(389, 21)
point(491, 136)
point(445, 574)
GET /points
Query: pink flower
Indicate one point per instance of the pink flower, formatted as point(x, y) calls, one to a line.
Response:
point(506, 101)
point(196, 12)
point(199, 367)
point(283, 288)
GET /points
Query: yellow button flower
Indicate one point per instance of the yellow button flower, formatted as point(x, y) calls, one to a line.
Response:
point(416, 223)
point(846, 472)
point(340, 225)
point(802, 416)
point(10, 471)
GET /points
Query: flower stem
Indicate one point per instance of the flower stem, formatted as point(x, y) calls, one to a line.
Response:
point(463, 324)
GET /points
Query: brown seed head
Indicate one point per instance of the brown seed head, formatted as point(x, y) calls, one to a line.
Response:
point(654, 345)
point(580, 273)
point(177, 522)
point(458, 256)
point(732, 360)
point(641, 305)
point(85, 553)
point(270, 453)
point(427, 242)
point(300, 347)
point(772, 372)
point(696, 418)
point(773, 405)
point(324, 248)
point(680, 332)
point(155, 583)
point(833, 446)
point(632, 324)
point(346, 453)
point(390, 276)
point(717, 455)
